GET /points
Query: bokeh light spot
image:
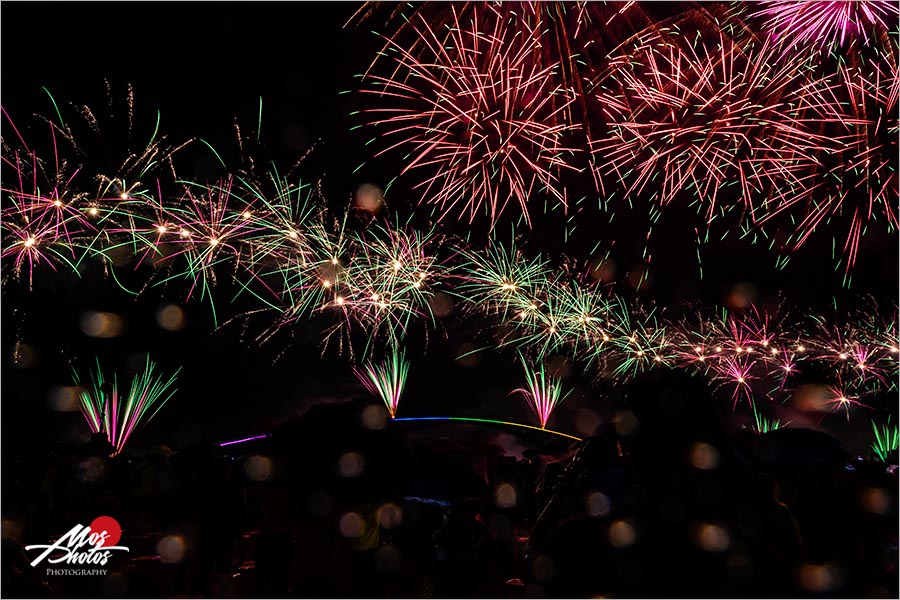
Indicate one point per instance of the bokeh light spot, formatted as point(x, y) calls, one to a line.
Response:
point(622, 534)
point(171, 317)
point(351, 464)
point(171, 549)
point(352, 525)
point(97, 324)
point(704, 457)
point(506, 495)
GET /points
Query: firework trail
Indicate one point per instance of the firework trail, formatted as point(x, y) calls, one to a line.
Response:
point(393, 275)
point(387, 379)
point(116, 415)
point(763, 424)
point(543, 391)
point(118, 160)
point(887, 440)
point(840, 399)
point(775, 136)
point(208, 231)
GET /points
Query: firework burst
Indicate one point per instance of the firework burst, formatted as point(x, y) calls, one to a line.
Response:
point(829, 23)
point(763, 424)
point(42, 221)
point(116, 415)
point(480, 121)
point(887, 440)
point(392, 279)
point(543, 391)
point(853, 180)
point(709, 118)
point(387, 379)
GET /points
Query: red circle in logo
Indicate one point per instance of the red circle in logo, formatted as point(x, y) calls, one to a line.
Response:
point(110, 526)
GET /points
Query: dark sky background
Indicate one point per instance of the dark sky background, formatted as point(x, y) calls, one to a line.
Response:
point(205, 66)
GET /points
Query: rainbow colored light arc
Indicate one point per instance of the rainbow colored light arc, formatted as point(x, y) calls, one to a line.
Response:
point(485, 421)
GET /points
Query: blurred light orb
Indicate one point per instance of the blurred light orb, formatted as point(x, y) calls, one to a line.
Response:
point(171, 549)
point(351, 464)
point(369, 198)
point(875, 500)
point(742, 296)
point(64, 398)
point(390, 516)
point(704, 457)
point(441, 304)
point(171, 317)
point(627, 423)
point(375, 417)
point(258, 468)
point(101, 325)
point(711, 538)
point(587, 421)
point(506, 495)
point(544, 569)
point(820, 578)
point(352, 525)
point(388, 559)
point(23, 356)
point(622, 534)
point(597, 504)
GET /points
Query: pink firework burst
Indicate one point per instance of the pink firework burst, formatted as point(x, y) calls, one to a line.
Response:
point(829, 22)
point(577, 36)
point(43, 218)
point(854, 183)
point(477, 114)
point(839, 399)
point(709, 119)
point(735, 372)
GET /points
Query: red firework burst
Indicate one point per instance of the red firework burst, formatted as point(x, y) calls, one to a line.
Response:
point(830, 22)
point(709, 118)
point(853, 179)
point(477, 114)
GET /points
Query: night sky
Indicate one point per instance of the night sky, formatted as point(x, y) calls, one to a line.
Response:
point(205, 66)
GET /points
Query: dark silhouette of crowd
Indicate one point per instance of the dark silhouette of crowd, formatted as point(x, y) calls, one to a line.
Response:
point(340, 502)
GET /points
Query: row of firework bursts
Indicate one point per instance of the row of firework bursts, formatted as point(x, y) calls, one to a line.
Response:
point(780, 115)
point(282, 250)
point(273, 241)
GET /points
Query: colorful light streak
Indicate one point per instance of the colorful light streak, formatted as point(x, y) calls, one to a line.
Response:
point(386, 380)
point(485, 421)
point(117, 416)
point(887, 440)
point(246, 439)
point(543, 391)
